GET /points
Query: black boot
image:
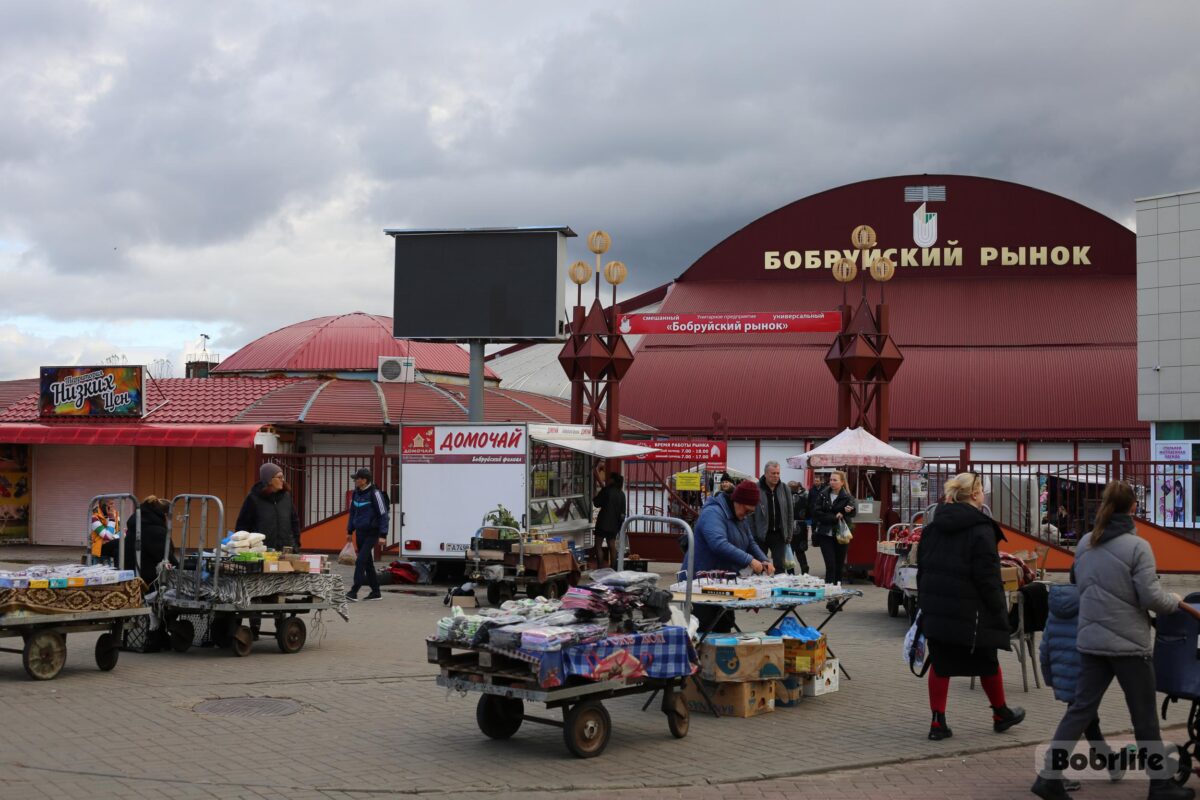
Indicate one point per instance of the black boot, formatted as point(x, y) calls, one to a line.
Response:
point(1049, 789)
point(1169, 790)
point(938, 729)
point(1004, 718)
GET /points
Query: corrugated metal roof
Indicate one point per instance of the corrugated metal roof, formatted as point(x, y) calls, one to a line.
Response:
point(346, 404)
point(940, 392)
point(282, 406)
point(12, 392)
point(348, 342)
point(180, 400)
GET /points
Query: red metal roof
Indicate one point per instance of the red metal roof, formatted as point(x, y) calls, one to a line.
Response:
point(12, 392)
point(346, 404)
point(344, 343)
point(140, 434)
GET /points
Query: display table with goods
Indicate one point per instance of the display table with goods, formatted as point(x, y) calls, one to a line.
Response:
point(509, 561)
point(220, 597)
point(42, 604)
point(610, 638)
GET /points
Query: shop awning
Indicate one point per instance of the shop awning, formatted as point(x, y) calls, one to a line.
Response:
point(141, 434)
point(601, 448)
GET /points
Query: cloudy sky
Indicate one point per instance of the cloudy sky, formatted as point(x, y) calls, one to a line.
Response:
point(172, 169)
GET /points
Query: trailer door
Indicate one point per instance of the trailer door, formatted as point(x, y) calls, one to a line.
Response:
point(451, 476)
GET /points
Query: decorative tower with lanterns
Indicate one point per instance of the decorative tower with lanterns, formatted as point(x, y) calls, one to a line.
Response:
point(596, 356)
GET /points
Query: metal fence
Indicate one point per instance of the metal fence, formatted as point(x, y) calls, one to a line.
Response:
point(321, 484)
point(1057, 501)
point(650, 491)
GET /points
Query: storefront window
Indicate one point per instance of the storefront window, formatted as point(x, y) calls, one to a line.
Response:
point(559, 488)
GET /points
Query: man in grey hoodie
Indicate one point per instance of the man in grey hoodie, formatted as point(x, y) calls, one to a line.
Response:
point(1118, 587)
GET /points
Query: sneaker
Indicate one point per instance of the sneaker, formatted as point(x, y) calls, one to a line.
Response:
point(1072, 786)
point(1049, 789)
point(352, 597)
point(1005, 718)
point(374, 596)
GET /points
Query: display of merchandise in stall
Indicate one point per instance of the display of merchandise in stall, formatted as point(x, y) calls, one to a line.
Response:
point(608, 638)
point(896, 568)
point(42, 604)
point(221, 596)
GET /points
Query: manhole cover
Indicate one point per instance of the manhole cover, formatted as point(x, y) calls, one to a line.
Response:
point(250, 707)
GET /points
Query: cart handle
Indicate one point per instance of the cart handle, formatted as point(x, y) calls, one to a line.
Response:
point(137, 513)
point(691, 551)
point(183, 536)
point(1190, 609)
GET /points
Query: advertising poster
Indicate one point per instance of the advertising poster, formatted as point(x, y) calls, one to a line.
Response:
point(91, 392)
point(1172, 484)
point(14, 494)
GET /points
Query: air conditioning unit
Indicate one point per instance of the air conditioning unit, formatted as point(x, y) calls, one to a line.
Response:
point(396, 369)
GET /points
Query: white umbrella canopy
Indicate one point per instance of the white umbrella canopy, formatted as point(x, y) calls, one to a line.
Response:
point(855, 447)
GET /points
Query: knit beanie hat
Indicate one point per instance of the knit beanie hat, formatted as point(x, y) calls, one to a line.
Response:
point(268, 471)
point(746, 493)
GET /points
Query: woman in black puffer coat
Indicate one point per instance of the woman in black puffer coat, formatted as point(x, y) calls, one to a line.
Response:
point(964, 614)
point(155, 543)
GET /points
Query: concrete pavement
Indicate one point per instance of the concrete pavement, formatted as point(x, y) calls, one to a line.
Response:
point(373, 724)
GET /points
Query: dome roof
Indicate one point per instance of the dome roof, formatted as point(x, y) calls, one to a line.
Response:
point(344, 343)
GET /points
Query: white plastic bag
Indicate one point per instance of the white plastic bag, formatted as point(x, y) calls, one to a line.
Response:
point(916, 649)
point(348, 556)
point(789, 559)
point(843, 533)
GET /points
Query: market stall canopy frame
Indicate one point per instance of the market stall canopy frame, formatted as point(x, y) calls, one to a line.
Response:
point(856, 447)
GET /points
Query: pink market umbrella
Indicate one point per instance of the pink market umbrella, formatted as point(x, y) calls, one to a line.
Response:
point(855, 447)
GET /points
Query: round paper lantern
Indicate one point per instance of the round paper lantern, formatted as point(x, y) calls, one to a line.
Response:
point(580, 272)
point(882, 269)
point(845, 271)
point(598, 242)
point(863, 237)
point(615, 272)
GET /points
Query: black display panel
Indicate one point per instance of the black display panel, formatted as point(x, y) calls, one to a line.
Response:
point(492, 285)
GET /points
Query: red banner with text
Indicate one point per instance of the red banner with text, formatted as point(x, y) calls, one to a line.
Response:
point(712, 453)
point(731, 323)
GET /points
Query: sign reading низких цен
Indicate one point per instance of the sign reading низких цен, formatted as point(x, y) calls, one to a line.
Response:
point(91, 392)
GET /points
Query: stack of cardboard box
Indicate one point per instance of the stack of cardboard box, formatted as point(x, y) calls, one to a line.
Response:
point(740, 674)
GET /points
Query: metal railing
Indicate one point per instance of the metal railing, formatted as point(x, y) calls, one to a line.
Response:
point(321, 483)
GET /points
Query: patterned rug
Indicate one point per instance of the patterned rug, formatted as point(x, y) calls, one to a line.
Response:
point(111, 597)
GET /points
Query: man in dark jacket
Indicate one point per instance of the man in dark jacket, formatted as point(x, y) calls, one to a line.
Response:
point(612, 510)
point(369, 519)
point(773, 520)
point(800, 531)
point(269, 510)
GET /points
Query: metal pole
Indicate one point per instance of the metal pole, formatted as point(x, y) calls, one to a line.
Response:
point(476, 406)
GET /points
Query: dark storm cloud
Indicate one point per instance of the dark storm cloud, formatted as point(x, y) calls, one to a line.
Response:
point(238, 161)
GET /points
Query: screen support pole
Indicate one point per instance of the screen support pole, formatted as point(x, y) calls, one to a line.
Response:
point(476, 406)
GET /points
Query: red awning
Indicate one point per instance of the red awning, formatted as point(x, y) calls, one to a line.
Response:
point(143, 434)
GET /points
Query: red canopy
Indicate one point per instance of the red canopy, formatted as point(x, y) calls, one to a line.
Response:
point(143, 434)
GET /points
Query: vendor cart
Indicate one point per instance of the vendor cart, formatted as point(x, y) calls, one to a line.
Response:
point(505, 573)
point(44, 617)
point(896, 569)
point(507, 679)
point(230, 599)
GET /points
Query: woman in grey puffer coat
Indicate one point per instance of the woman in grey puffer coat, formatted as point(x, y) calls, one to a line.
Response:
point(1118, 587)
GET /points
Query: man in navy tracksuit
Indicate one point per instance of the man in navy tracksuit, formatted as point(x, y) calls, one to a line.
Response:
point(369, 518)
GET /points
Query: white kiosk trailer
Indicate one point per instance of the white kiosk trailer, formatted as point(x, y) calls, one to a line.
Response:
point(453, 476)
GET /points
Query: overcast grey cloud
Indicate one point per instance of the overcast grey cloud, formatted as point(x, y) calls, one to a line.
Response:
point(228, 167)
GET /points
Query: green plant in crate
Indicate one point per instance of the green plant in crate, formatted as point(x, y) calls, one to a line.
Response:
point(503, 518)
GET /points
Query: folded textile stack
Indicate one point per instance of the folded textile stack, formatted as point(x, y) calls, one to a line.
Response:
point(594, 600)
point(243, 542)
point(550, 638)
point(626, 580)
point(459, 627)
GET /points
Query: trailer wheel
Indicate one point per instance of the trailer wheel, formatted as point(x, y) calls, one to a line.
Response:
point(586, 728)
point(181, 633)
point(243, 640)
point(551, 590)
point(108, 649)
point(895, 598)
point(223, 628)
point(675, 707)
point(44, 655)
point(291, 635)
point(495, 596)
point(499, 717)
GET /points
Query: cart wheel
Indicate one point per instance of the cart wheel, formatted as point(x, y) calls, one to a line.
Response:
point(551, 590)
point(895, 598)
point(586, 728)
point(243, 640)
point(45, 653)
point(675, 707)
point(108, 649)
point(223, 628)
point(1185, 764)
point(181, 633)
point(291, 635)
point(494, 595)
point(499, 717)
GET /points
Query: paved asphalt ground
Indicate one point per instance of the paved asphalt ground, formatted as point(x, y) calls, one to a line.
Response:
point(372, 723)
